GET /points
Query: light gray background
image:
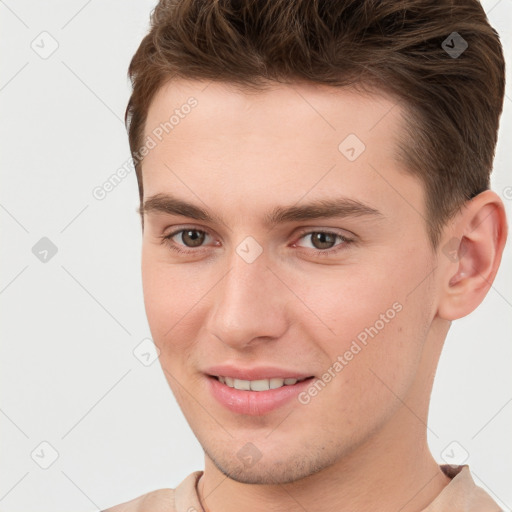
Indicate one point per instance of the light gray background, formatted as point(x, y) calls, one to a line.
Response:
point(69, 326)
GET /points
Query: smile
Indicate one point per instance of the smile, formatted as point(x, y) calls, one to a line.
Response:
point(258, 385)
point(255, 397)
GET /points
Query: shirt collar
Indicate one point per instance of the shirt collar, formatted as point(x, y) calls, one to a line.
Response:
point(460, 495)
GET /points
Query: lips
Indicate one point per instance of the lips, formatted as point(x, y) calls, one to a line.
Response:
point(259, 401)
point(255, 373)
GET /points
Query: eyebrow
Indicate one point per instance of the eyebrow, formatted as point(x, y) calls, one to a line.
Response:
point(322, 208)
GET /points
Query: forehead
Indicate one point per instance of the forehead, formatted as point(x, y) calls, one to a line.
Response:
point(287, 141)
point(297, 120)
point(298, 108)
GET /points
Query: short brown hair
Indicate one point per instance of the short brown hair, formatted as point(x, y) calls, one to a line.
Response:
point(453, 102)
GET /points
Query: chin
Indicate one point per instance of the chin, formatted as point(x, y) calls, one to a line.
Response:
point(271, 471)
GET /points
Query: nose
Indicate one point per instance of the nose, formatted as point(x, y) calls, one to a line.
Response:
point(249, 304)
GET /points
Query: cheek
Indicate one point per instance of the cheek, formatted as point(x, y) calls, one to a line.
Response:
point(170, 297)
point(377, 323)
point(349, 300)
point(174, 298)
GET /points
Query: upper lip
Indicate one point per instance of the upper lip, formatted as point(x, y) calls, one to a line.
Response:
point(255, 373)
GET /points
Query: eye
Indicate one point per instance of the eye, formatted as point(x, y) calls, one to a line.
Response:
point(192, 237)
point(324, 242)
point(187, 238)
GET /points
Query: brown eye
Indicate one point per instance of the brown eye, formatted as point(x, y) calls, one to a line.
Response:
point(189, 241)
point(323, 240)
point(192, 237)
point(323, 243)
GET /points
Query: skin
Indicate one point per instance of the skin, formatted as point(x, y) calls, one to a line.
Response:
point(360, 444)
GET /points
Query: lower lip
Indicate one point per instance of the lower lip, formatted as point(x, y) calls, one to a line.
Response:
point(254, 403)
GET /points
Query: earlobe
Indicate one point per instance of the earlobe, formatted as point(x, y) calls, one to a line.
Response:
point(471, 256)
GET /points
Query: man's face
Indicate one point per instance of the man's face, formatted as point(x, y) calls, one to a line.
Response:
point(348, 296)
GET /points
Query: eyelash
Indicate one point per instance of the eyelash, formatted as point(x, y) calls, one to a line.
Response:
point(167, 240)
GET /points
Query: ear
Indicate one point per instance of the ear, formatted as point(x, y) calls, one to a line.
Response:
point(470, 253)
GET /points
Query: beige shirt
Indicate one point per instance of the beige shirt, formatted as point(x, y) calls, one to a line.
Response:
point(460, 495)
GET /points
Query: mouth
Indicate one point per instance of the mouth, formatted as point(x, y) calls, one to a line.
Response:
point(256, 397)
point(258, 385)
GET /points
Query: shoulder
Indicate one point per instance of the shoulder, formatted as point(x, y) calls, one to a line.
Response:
point(161, 500)
point(184, 497)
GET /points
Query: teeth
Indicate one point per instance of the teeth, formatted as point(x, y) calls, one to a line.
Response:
point(257, 385)
point(276, 383)
point(242, 384)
